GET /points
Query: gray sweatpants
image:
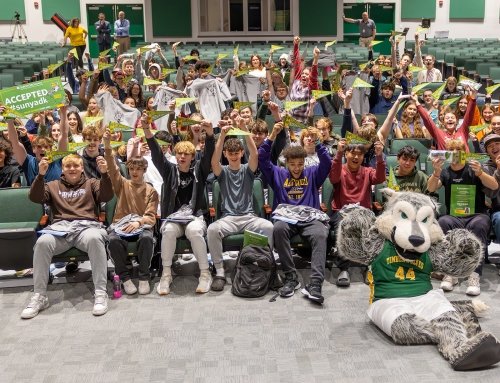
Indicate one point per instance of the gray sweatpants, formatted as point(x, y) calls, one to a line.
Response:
point(234, 225)
point(91, 240)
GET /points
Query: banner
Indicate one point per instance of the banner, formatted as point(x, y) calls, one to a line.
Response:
point(34, 96)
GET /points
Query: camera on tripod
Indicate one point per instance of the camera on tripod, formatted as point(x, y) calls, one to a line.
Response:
point(17, 16)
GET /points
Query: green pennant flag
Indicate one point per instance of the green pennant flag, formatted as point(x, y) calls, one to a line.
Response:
point(75, 146)
point(465, 81)
point(276, 47)
point(242, 72)
point(235, 50)
point(491, 89)
point(184, 121)
point(352, 138)
point(189, 58)
point(149, 81)
point(3, 126)
point(437, 93)
point(52, 67)
point(115, 126)
point(238, 132)
point(480, 157)
point(450, 101)
point(102, 66)
point(392, 183)
point(104, 53)
point(420, 87)
point(329, 43)
point(321, 93)
point(358, 83)
point(92, 120)
point(115, 45)
point(156, 114)
point(55, 155)
point(139, 132)
point(162, 143)
point(385, 68)
point(242, 104)
point(127, 79)
point(10, 114)
point(75, 53)
point(477, 128)
point(166, 71)
point(290, 121)
point(221, 56)
point(89, 73)
point(289, 105)
point(413, 68)
point(376, 42)
point(183, 100)
point(116, 144)
point(143, 49)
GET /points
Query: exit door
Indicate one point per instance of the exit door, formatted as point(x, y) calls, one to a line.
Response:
point(133, 13)
point(383, 16)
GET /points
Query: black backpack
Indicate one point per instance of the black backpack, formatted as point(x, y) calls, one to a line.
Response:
point(255, 272)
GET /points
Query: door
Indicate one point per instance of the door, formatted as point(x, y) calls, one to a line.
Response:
point(133, 12)
point(383, 16)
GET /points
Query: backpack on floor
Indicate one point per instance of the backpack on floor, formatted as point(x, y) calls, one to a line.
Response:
point(255, 272)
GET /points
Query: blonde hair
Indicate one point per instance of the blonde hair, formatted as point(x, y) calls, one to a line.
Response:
point(72, 159)
point(185, 147)
point(310, 131)
point(91, 131)
point(455, 145)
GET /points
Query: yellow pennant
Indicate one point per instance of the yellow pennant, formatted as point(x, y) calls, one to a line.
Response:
point(102, 66)
point(189, 58)
point(242, 72)
point(115, 126)
point(167, 71)
point(56, 155)
point(104, 53)
point(116, 144)
point(238, 132)
point(150, 81)
point(183, 121)
point(358, 83)
point(276, 47)
point(420, 87)
point(92, 120)
point(329, 43)
point(438, 92)
point(235, 50)
point(221, 56)
point(413, 68)
point(9, 113)
point(162, 143)
point(75, 53)
point(392, 183)
point(290, 121)
point(321, 93)
point(144, 49)
point(477, 128)
point(3, 126)
point(89, 73)
point(115, 45)
point(156, 114)
point(139, 132)
point(289, 105)
point(352, 138)
point(183, 100)
point(52, 67)
point(491, 89)
point(385, 68)
point(450, 101)
point(75, 146)
point(242, 104)
point(376, 42)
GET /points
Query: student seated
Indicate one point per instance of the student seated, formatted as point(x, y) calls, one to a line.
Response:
point(72, 199)
point(464, 184)
point(135, 213)
point(353, 183)
point(408, 177)
point(297, 185)
point(236, 193)
point(182, 197)
point(9, 174)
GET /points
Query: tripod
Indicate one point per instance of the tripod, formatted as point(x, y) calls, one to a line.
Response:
point(21, 34)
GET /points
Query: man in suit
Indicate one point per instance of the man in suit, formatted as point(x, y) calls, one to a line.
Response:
point(103, 29)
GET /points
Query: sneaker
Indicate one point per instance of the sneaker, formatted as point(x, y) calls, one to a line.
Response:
point(313, 292)
point(204, 282)
point(291, 284)
point(129, 287)
point(164, 285)
point(37, 303)
point(448, 283)
point(100, 303)
point(144, 288)
point(473, 286)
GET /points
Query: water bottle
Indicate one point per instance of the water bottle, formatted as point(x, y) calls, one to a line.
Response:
point(117, 287)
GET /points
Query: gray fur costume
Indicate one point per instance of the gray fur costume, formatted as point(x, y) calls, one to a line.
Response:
point(409, 224)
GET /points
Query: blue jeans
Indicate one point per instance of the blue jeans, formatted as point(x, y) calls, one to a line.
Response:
point(495, 221)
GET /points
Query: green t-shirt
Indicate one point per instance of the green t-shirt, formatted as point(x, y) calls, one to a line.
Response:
point(392, 277)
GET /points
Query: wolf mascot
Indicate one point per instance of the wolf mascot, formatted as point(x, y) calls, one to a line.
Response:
point(402, 247)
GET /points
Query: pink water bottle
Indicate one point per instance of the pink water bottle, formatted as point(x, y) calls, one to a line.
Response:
point(117, 287)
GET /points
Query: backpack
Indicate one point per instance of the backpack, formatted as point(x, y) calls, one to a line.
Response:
point(255, 272)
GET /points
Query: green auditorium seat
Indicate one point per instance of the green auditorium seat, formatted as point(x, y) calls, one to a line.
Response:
point(495, 74)
point(483, 70)
point(422, 145)
point(6, 80)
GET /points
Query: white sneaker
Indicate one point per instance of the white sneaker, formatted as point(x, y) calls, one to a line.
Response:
point(129, 287)
point(473, 287)
point(448, 283)
point(493, 248)
point(144, 287)
point(100, 303)
point(38, 302)
point(164, 285)
point(204, 282)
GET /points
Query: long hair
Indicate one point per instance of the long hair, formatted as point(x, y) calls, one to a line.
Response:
point(406, 121)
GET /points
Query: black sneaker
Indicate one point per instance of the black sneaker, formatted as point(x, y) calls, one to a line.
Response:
point(291, 284)
point(313, 292)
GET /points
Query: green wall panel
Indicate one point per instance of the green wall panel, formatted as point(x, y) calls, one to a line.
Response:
point(8, 7)
point(318, 17)
point(466, 9)
point(171, 18)
point(67, 9)
point(419, 9)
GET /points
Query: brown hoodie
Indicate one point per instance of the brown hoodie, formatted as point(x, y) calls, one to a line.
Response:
point(72, 202)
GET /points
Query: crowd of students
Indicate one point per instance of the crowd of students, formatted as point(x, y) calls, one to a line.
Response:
point(171, 162)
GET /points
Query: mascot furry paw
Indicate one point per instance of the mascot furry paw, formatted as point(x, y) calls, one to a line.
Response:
point(402, 247)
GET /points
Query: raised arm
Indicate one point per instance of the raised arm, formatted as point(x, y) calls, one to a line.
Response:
point(434, 131)
point(385, 129)
point(18, 149)
point(418, 52)
point(336, 168)
point(216, 166)
point(313, 75)
point(62, 143)
point(434, 181)
point(39, 192)
point(469, 113)
point(114, 172)
point(297, 65)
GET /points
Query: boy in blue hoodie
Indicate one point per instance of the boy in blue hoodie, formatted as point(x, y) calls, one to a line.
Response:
point(297, 186)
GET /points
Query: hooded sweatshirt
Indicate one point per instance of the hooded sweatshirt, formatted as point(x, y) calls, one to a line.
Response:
point(72, 202)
